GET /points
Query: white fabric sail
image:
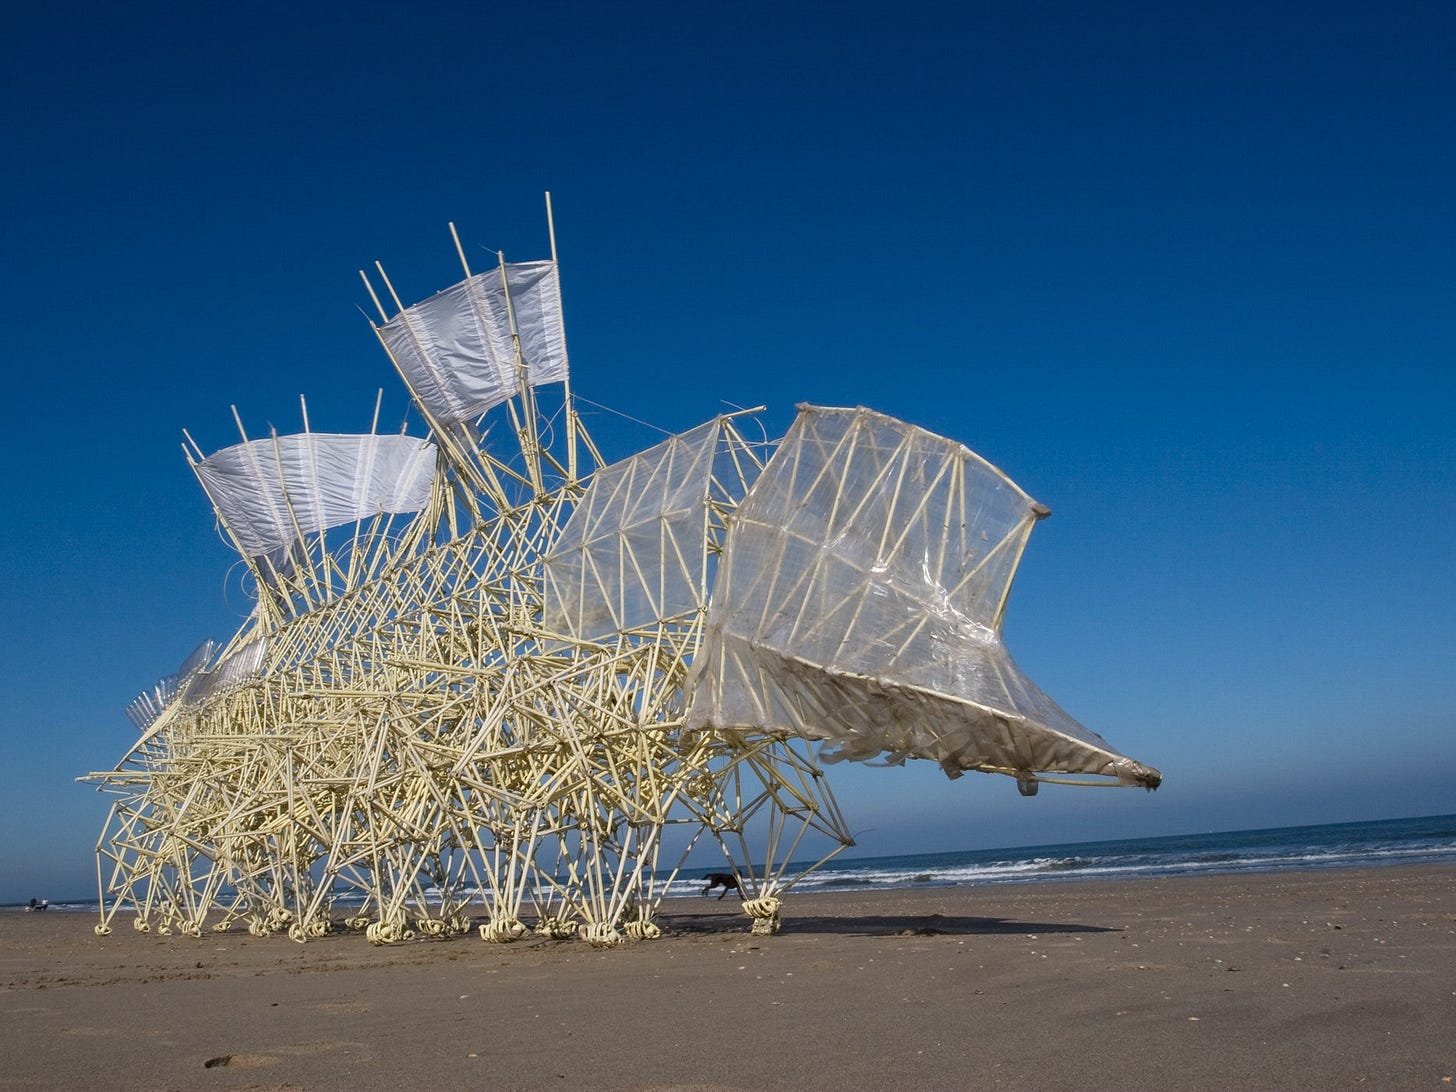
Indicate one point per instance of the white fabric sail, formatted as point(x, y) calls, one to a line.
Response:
point(268, 492)
point(457, 349)
point(860, 602)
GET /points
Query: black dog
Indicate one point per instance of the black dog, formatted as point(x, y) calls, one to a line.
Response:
point(726, 880)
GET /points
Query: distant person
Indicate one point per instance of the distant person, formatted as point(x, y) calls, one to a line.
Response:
point(33, 905)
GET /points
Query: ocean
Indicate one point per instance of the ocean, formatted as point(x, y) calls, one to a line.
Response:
point(1425, 840)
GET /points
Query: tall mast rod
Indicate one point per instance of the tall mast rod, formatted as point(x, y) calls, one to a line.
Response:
point(377, 305)
point(188, 437)
point(566, 382)
point(460, 250)
point(479, 448)
point(388, 284)
point(350, 576)
point(277, 582)
point(530, 446)
point(304, 565)
point(452, 439)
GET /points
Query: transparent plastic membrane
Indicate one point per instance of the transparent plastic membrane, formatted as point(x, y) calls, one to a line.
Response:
point(860, 602)
point(635, 550)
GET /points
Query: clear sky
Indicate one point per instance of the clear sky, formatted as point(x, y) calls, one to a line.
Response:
point(1186, 272)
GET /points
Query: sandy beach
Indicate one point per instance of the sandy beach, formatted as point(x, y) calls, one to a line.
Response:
point(1314, 980)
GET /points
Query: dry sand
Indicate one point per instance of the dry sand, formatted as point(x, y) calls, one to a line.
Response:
point(1317, 980)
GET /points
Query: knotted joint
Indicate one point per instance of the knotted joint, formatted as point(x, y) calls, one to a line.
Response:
point(387, 932)
point(502, 931)
point(602, 934)
point(764, 911)
point(300, 931)
point(556, 928)
point(643, 929)
point(456, 925)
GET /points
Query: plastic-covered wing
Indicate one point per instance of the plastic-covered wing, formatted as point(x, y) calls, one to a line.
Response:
point(860, 602)
point(457, 349)
point(269, 492)
point(243, 665)
point(635, 551)
point(147, 706)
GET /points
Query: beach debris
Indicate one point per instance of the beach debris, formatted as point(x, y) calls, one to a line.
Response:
point(487, 670)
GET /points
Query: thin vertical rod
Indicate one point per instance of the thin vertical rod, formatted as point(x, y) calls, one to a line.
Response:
point(571, 421)
point(460, 250)
point(530, 446)
point(385, 278)
point(370, 287)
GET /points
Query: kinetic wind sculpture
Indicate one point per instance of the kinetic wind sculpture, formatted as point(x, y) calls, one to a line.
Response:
point(480, 680)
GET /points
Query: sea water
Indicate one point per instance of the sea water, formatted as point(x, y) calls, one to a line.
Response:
point(1425, 840)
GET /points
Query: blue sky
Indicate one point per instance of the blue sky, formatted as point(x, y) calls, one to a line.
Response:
point(1188, 274)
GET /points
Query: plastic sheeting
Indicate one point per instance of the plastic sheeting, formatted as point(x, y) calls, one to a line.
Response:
point(150, 704)
point(860, 602)
point(457, 352)
point(269, 492)
point(635, 549)
point(242, 666)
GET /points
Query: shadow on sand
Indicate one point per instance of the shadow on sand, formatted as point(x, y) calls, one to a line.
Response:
point(874, 925)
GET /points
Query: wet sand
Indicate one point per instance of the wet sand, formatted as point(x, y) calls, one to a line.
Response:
point(1317, 980)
